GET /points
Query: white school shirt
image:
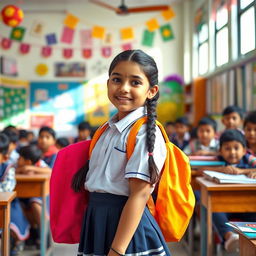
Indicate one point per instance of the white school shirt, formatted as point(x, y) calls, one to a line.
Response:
point(109, 170)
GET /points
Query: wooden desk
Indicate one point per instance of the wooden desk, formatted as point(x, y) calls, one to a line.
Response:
point(222, 198)
point(247, 246)
point(35, 186)
point(5, 214)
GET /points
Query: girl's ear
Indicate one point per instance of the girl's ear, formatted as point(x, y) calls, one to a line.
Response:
point(153, 91)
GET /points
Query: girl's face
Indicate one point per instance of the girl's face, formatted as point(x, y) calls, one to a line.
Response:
point(128, 88)
point(205, 134)
point(232, 120)
point(232, 151)
point(45, 141)
point(250, 133)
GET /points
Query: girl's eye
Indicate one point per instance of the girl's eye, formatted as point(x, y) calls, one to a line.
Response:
point(135, 82)
point(116, 80)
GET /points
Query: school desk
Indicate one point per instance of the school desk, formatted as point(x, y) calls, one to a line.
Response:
point(5, 208)
point(222, 198)
point(36, 186)
point(247, 246)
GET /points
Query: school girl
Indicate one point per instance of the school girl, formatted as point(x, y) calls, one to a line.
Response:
point(117, 221)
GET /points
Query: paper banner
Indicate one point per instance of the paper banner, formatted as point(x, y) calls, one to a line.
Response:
point(67, 53)
point(24, 48)
point(127, 46)
point(168, 14)
point(86, 37)
point(152, 25)
point(148, 38)
point(71, 21)
point(126, 33)
point(166, 32)
point(109, 38)
point(37, 29)
point(98, 32)
point(41, 69)
point(17, 33)
point(67, 35)
point(106, 51)
point(6, 43)
point(51, 39)
point(87, 53)
point(46, 51)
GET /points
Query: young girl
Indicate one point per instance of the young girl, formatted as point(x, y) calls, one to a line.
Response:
point(117, 221)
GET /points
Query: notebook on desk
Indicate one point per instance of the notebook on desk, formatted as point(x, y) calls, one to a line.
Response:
point(200, 163)
point(228, 178)
point(246, 228)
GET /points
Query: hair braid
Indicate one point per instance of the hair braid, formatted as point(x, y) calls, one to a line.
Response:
point(151, 129)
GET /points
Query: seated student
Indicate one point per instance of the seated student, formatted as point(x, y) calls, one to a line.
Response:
point(233, 153)
point(206, 144)
point(84, 131)
point(19, 225)
point(181, 136)
point(23, 138)
point(250, 132)
point(46, 142)
point(62, 142)
point(170, 129)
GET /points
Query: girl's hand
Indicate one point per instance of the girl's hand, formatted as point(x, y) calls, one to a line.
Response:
point(252, 175)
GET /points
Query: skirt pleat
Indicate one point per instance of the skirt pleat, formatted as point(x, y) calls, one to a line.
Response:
point(100, 225)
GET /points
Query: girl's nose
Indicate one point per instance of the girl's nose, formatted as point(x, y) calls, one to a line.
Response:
point(124, 87)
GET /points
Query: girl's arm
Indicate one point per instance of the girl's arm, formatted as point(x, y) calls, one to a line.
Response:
point(131, 215)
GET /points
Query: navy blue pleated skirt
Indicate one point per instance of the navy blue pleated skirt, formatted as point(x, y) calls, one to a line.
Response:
point(100, 224)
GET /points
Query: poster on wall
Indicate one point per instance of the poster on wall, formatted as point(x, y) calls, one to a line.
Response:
point(73, 69)
point(58, 104)
point(8, 66)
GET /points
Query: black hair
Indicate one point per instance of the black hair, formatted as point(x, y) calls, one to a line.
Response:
point(169, 123)
point(250, 118)
point(30, 152)
point(232, 135)
point(49, 130)
point(13, 136)
point(182, 120)
point(62, 141)
point(23, 134)
point(208, 121)
point(4, 143)
point(233, 109)
point(84, 126)
point(149, 67)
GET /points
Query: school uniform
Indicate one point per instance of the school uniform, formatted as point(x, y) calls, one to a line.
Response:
point(19, 224)
point(181, 143)
point(50, 155)
point(108, 183)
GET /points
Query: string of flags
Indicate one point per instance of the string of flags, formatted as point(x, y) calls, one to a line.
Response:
point(86, 37)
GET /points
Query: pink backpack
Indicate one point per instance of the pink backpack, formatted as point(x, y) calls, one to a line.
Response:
point(67, 207)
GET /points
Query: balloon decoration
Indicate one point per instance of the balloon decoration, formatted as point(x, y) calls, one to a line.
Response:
point(12, 15)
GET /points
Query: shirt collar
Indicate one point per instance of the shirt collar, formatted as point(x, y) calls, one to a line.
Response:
point(127, 120)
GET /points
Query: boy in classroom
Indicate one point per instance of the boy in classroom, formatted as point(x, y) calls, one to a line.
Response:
point(19, 225)
point(205, 144)
point(117, 221)
point(250, 132)
point(181, 136)
point(84, 131)
point(62, 142)
point(234, 153)
point(169, 128)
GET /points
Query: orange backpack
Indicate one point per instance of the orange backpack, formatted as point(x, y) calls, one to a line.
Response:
point(175, 201)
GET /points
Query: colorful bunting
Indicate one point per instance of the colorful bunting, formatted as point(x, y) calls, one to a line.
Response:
point(67, 35)
point(87, 53)
point(106, 51)
point(6, 43)
point(148, 38)
point(152, 25)
point(168, 14)
point(46, 51)
point(71, 21)
point(98, 32)
point(67, 53)
point(166, 32)
point(37, 29)
point(51, 39)
point(24, 48)
point(17, 33)
point(86, 37)
point(127, 33)
point(109, 38)
point(127, 46)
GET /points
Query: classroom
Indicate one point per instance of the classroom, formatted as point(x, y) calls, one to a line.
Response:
point(75, 72)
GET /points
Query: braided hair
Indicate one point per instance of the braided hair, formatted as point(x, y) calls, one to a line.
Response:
point(148, 66)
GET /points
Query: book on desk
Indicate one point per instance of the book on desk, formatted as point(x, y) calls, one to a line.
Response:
point(224, 178)
point(246, 228)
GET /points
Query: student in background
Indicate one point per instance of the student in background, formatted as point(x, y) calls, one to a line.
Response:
point(232, 117)
point(233, 153)
point(62, 142)
point(84, 131)
point(170, 129)
point(181, 136)
point(19, 225)
point(23, 138)
point(46, 142)
point(31, 137)
point(206, 144)
point(250, 132)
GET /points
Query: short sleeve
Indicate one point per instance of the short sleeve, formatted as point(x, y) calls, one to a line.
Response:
point(137, 166)
point(9, 182)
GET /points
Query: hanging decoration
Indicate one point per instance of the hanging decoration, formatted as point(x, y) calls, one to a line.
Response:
point(51, 39)
point(71, 21)
point(17, 33)
point(127, 33)
point(127, 46)
point(24, 48)
point(87, 53)
point(12, 15)
point(6, 43)
point(41, 69)
point(166, 32)
point(46, 51)
point(67, 53)
point(152, 25)
point(37, 29)
point(106, 51)
point(109, 38)
point(86, 37)
point(148, 38)
point(168, 14)
point(98, 32)
point(67, 35)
